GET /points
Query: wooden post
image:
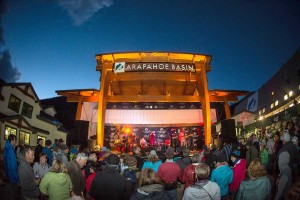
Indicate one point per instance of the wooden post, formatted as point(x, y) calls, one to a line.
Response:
point(79, 109)
point(227, 109)
point(101, 108)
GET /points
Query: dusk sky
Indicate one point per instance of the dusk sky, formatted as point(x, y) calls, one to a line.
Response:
point(53, 43)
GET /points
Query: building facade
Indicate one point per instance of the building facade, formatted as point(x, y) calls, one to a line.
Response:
point(23, 115)
point(268, 109)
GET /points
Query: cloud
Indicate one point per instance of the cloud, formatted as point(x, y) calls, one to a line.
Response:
point(8, 72)
point(82, 10)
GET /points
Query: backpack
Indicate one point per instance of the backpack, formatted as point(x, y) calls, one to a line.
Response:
point(130, 175)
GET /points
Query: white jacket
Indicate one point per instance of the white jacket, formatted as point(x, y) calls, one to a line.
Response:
point(204, 190)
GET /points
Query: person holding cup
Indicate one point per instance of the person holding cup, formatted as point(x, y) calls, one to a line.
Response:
point(41, 168)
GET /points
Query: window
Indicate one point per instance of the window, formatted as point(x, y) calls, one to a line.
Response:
point(285, 97)
point(290, 93)
point(9, 130)
point(25, 137)
point(264, 110)
point(276, 103)
point(27, 110)
point(259, 112)
point(44, 139)
point(272, 105)
point(272, 93)
point(14, 103)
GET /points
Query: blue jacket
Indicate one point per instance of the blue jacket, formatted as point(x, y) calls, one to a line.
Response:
point(48, 152)
point(222, 175)
point(10, 163)
point(154, 166)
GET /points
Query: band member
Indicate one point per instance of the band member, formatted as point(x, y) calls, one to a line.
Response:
point(152, 138)
point(143, 142)
point(182, 139)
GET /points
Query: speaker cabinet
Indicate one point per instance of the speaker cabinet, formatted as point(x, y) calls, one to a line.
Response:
point(80, 132)
point(228, 130)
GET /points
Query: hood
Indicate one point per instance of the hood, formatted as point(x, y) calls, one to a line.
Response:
point(223, 170)
point(151, 188)
point(283, 160)
point(8, 145)
point(256, 184)
point(60, 179)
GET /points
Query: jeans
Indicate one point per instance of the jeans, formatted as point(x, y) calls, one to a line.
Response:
point(172, 194)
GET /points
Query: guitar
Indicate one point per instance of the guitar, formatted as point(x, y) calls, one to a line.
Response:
point(182, 137)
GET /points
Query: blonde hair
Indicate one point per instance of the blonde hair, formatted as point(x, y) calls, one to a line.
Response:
point(256, 169)
point(202, 171)
point(148, 177)
point(153, 159)
point(58, 167)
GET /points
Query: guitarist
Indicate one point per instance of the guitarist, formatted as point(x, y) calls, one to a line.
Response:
point(182, 138)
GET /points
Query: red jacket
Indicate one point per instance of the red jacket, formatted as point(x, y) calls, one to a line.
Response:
point(239, 173)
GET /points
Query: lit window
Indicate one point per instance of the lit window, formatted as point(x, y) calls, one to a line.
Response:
point(25, 137)
point(276, 103)
point(259, 112)
point(272, 93)
point(272, 105)
point(8, 131)
point(264, 110)
point(27, 110)
point(286, 97)
point(14, 103)
point(290, 93)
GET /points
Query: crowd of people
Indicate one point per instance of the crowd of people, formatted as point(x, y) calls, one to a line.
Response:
point(259, 169)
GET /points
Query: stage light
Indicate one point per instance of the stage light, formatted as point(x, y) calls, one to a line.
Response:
point(127, 130)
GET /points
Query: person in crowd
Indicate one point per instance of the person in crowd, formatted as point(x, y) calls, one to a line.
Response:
point(153, 161)
point(109, 184)
point(61, 142)
point(222, 175)
point(55, 144)
point(264, 156)
point(291, 128)
point(94, 168)
point(185, 160)
point(270, 146)
point(19, 149)
point(38, 149)
point(62, 154)
point(284, 181)
point(48, 152)
point(149, 187)
point(189, 177)
point(211, 158)
point(169, 172)
point(41, 168)
point(258, 185)
point(74, 150)
point(203, 188)
point(74, 169)
point(132, 172)
point(138, 155)
point(273, 166)
point(10, 165)
point(56, 183)
point(292, 151)
point(251, 153)
point(91, 160)
point(226, 150)
point(239, 171)
point(28, 182)
point(122, 163)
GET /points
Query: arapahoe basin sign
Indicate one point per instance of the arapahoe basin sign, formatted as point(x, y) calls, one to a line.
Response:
point(151, 67)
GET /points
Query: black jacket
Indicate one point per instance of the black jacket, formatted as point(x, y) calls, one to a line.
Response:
point(110, 185)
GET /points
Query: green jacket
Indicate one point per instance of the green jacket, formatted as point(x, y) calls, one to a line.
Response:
point(257, 189)
point(56, 185)
point(264, 156)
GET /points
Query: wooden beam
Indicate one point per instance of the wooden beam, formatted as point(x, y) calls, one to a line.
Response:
point(152, 76)
point(227, 109)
